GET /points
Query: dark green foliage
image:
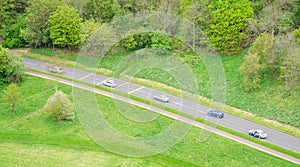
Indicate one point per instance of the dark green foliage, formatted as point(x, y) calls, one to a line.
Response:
point(13, 39)
point(196, 11)
point(11, 12)
point(3, 64)
point(133, 6)
point(296, 14)
point(143, 40)
point(37, 31)
point(229, 18)
point(258, 5)
point(99, 10)
point(11, 67)
point(161, 41)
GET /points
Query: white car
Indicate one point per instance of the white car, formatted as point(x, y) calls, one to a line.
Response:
point(110, 83)
point(257, 133)
point(162, 98)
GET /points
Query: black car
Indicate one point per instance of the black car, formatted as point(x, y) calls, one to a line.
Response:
point(216, 113)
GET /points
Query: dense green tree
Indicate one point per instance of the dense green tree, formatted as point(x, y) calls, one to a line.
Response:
point(290, 70)
point(65, 26)
point(78, 4)
point(99, 10)
point(272, 17)
point(261, 59)
point(133, 6)
point(12, 96)
point(143, 40)
point(229, 18)
point(15, 69)
point(286, 47)
point(129, 42)
point(263, 47)
point(88, 27)
point(37, 31)
point(161, 41)
point(9, 14)
point(251, 69)
point(59, 107)
point(196, 11)
point(11, 67)
point(296, 14)
point(274, 20)
point(258, 5)
point(13, 39)
point(3, 64)
point(9, 10)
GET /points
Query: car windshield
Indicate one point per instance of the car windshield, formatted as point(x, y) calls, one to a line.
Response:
point(216, 111)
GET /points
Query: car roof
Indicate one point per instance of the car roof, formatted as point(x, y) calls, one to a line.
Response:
point(215, 111)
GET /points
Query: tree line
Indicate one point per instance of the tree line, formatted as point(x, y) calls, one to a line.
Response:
point(231, 25)
point(269, 29)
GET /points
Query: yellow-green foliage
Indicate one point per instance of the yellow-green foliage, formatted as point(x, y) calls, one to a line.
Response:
point(229, 18)
point(65, 26)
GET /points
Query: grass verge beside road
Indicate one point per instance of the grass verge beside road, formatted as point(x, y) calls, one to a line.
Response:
point(242, 135)
point(31, 137)
point(202, 100)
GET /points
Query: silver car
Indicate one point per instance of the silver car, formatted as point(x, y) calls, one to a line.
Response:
point(162, 98)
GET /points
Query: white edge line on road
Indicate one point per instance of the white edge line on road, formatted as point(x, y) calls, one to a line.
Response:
point(99, 83)
point(135, 90)
point(122, 84)
point(90, 74)
point(174, 116)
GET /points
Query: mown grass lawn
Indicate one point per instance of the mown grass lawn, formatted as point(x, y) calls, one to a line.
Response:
point(31, 138)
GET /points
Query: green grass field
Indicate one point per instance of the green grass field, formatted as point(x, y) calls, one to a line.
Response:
point(31, 138)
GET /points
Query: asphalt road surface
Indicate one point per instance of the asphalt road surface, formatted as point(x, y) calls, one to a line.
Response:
point(274, 136)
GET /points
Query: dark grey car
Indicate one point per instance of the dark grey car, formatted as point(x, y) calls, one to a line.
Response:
point(216, 113)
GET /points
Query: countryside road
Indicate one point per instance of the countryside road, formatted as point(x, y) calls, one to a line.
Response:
point(274, 136)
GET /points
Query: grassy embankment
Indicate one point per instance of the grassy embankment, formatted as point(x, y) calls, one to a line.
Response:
point(30, 138)
point(271, 101)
